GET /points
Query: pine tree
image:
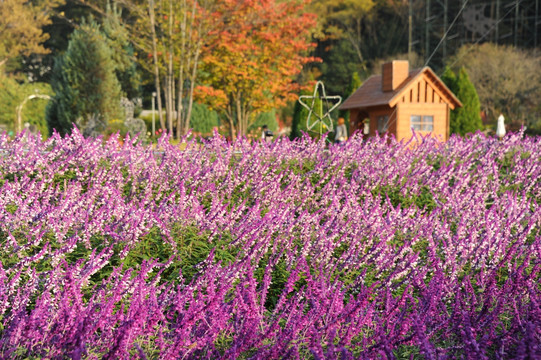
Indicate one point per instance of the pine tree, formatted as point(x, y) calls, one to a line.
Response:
point(470, 112)
point(118, 40)
point(450, 80)
point(300, 114)
point(84, 82)
point(203, 120)
point(296, 121)
point(465, 119)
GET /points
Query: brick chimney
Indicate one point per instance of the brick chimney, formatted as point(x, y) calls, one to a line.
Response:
point(393, 74)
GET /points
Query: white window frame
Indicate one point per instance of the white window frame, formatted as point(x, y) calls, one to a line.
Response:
point(423, 123)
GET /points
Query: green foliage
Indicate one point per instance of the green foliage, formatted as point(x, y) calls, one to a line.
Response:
point(21, 24)
point(118, 40)
point(449, 79)
point(470, 112)
point(424, 200)
point(296, 124)
point(266, 118)
point(189, 247)
point(84, 82)
point(203, 120)
point(354, 83)
point(465, 119)
point(507, 80)
point(340, 63)
point(12, 94)
point(300, 114)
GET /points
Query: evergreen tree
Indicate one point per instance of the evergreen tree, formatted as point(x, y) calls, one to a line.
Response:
point(449, 78)
point(465, 119)
point(300, 114)
point(354, 83)
point(470, 112)
point(203, 120)
point(117, 38)
point(84, 82)
point(296, 121)
point(267, 118)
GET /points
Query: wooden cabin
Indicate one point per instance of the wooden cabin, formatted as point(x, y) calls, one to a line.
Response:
point(400, 100)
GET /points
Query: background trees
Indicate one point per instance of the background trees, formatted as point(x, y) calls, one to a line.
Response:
point(507, 79)
point(12, 94)
point(246, 57)
point(465, 119)
point(21, 25)
point(85, 72)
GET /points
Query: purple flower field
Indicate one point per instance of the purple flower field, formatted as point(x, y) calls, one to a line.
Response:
point(371, 250)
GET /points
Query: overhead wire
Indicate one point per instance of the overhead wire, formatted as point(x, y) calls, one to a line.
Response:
point(487, 32)
point(447, 32)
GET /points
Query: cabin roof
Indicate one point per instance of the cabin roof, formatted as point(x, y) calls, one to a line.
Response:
point(370, 93)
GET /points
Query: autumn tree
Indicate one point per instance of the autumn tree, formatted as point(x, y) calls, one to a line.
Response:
point(21, 23)
point(252, 66)
point(12, 95)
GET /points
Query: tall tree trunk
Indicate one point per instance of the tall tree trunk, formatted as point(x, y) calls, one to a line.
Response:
point(170, 75)
point(231, 117)
point(192, 87)
point(188, 69)
point(180, 87)
point(181, 128)
point(156, 65)
point(232, 130)
point(240, 120)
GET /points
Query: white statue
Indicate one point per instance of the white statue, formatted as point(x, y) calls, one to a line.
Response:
point(500, 130)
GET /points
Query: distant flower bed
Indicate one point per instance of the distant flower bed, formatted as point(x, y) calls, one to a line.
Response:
point(372, 249)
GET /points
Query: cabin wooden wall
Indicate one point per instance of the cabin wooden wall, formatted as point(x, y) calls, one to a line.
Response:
point(423, 91)
point(422, 98)
point(440, 113)
point(376, 112)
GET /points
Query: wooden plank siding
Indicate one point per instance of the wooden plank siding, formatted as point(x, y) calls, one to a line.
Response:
point(376, 112)
point(421, 93)
point(438, 111)
point(422, 98)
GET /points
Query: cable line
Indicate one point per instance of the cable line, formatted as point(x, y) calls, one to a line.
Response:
point(447, 32)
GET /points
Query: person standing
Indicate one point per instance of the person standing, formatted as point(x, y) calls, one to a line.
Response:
point(266, 134)
point(341, 132)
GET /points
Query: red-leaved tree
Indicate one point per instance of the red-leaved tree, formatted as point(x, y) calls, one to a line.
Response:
point(258, 52)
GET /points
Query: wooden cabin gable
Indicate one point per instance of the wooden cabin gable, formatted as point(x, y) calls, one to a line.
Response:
point(422, 90)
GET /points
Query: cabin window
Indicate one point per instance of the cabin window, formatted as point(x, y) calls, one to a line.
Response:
point(422, 123)
point(383, 123)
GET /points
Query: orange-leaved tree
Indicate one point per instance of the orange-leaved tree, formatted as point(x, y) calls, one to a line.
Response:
point(258, 52)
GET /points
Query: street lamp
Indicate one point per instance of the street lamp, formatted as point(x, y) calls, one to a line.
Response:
point(20, 108)
point(153, 114)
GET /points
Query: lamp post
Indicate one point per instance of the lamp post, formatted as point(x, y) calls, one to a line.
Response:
point(20, 108)
point(153, 114)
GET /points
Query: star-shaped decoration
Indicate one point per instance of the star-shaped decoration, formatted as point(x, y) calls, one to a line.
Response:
point(326, 101)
